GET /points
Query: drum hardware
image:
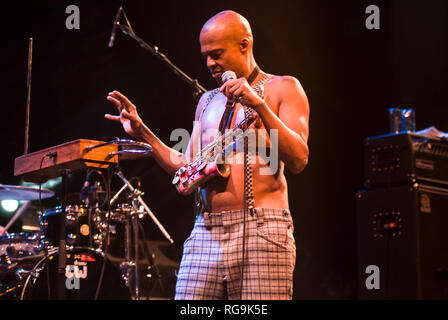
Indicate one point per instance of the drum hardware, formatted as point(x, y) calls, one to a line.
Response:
point(62, 243)
point(128, 265)
point(84, 226)
point(61, 160)
point(140, 201)
point(18, 251)
point(21, 246)
point(126, 148)
point(82, 273)
point(130, 213)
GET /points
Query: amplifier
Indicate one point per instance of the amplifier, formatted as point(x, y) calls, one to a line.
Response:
point(395, 159)
point(403, 243)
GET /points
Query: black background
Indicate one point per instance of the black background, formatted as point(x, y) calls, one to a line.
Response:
point(351, 75)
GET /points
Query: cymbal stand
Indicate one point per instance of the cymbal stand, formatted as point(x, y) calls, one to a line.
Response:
point(128, 264)
point(132, 219)
point(141, 202)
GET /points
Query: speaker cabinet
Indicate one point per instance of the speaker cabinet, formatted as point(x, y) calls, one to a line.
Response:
point(403, 243)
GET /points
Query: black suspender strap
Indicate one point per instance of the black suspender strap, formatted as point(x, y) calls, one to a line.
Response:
point(228, 112)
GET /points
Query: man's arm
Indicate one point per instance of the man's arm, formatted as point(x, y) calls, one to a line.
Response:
point(291, 122)
point(169, 159)
point(292, 119)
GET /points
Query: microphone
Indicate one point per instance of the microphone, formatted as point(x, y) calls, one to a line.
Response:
point(227, 76)
point(114, 28)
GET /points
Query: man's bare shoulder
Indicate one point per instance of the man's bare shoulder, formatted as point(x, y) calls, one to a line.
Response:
point(284, 83)
point(285, 86)
point(203, 100)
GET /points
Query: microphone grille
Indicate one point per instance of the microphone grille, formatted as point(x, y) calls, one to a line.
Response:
point(228, 75)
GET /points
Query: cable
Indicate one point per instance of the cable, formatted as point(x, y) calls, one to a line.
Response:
point(106, 248)
point(89, 173)
point(50, 155)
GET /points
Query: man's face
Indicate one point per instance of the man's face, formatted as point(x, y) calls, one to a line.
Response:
point(220, 53)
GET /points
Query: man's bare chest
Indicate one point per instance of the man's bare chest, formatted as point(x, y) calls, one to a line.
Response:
point(212, 115)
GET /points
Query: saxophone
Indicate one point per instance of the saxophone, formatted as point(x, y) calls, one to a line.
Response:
point(208, 163)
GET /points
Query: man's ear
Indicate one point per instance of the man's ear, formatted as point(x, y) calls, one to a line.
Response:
point(244, 45)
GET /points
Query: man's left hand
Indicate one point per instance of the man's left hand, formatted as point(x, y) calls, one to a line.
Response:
point(239, 90)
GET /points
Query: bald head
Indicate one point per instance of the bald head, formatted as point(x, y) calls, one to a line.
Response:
point(227, 44)
point(228, 25)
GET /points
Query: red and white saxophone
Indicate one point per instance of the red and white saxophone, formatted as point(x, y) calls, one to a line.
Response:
point(209, 161)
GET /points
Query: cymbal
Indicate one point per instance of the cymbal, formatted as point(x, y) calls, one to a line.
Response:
point(131, 150)
point(131, 154)
point(23, 193)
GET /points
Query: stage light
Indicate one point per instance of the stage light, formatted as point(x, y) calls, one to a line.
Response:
point(10, 205)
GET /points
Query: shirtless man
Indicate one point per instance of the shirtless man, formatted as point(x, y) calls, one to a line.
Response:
point(212, 265)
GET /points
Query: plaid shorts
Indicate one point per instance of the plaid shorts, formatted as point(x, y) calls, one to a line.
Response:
point(212, 258)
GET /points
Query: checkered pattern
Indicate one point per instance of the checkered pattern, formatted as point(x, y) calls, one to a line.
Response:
point(248, 183)
point(211, 262)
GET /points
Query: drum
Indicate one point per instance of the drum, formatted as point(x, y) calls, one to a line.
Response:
point(18, 251)
point(23, 248)
point(119, 222)
point(81, 277)
point(83, 226)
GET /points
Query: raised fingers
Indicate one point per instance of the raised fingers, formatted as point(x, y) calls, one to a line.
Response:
point(111, 117)
point(127, 104)
point(115, 102)
point(127, 115)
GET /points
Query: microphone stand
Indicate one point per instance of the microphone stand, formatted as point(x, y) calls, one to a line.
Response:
point(199, 90)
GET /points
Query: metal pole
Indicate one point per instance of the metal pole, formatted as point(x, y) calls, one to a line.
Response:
point(28, 94)
point(147, 210)
point(136, 256)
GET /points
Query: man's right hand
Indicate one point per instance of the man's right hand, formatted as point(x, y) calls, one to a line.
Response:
point(128, 117)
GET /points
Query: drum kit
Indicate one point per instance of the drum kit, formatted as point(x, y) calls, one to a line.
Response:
point(99, 231)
